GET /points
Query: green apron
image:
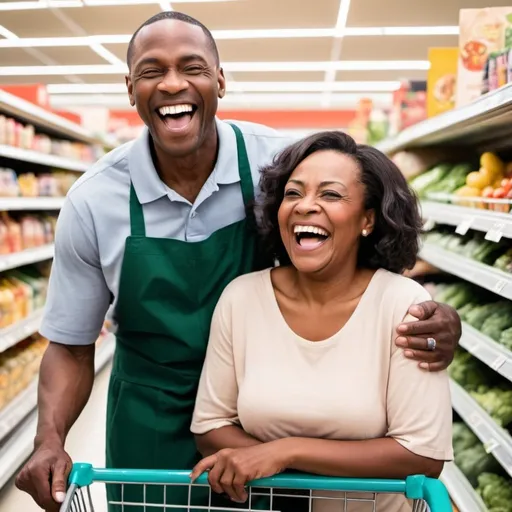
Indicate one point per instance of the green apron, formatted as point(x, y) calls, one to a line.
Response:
point(167, 294)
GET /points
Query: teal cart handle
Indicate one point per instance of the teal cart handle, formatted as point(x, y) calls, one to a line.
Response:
point(415, 487)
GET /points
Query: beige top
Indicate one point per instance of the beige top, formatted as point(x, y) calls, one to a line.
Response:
point(355, 385)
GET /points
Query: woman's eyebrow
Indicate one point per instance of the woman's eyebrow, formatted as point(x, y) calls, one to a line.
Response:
point(333, 182)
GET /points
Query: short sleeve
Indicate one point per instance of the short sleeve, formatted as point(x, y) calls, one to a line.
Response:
point(419, 405)
point(78, 296)
point(217, 397)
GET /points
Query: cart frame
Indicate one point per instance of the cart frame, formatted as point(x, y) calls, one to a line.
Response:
point(417, 487)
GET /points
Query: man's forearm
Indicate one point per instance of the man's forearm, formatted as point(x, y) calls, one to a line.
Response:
point(65, 383)
point(224, 437)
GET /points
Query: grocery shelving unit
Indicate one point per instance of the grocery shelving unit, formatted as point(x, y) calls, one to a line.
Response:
point(26, 257)
point(20, 330)
point(482, 275)
point(487, 350)
point(460, 489)
point(495, 439)
point(485, 125)
point(31, 203)
point(18, 418)
point(18, 423)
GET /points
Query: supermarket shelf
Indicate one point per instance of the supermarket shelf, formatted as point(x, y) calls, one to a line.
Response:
point(20, 330)
point(26, 257)
point(31, 203)
point(482, 275)
point(471, 218)
point(485, 121)
point(43, 119)
point(460, 490)
point(20, 445)
point(495, 439)
point(487, 350)
point(34, 157)
point(17, 410)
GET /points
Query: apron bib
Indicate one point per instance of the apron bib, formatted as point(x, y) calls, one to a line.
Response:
point(167, 294)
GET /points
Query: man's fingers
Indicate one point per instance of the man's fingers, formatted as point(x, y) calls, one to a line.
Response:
point(202, 466)
point(433, 367)
point(60, 475)
point(42, 489)
point(424, 310)
point(422, 356)
point(413, 343)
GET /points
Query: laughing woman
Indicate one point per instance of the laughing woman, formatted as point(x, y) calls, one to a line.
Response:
point(301, 371)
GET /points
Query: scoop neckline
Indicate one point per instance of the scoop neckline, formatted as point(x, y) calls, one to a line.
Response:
point(331, 339)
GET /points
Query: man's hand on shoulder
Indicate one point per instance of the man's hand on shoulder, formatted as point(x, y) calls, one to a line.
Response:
point(437, 321)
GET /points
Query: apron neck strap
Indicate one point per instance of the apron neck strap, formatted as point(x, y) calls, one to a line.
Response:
point(244, 168)
point(137, 225)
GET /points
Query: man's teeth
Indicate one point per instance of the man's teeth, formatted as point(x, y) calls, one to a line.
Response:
point(175, 109)
point(310, 229)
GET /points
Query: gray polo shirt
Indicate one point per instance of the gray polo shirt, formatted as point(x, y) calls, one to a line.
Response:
point(94, 223)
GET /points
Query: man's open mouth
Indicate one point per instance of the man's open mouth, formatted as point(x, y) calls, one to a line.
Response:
point(177, 117)
point(310, 237)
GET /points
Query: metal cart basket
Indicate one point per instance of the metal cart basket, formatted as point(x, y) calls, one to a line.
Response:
point(306, 492)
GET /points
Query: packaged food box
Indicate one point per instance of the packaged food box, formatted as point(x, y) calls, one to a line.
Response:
point(481, 33)
point(441, 80)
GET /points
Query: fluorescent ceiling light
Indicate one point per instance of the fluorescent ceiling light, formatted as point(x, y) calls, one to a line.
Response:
point(341, 22)
point(448, 30)
point(114, 69)
point(368, 86)
point(165, 5)
point(42, 42)
point(45, 4)
point(105, 54)
point(10, 36)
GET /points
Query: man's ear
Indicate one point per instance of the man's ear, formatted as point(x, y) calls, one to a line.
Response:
point(221, 79)
point(129, 87)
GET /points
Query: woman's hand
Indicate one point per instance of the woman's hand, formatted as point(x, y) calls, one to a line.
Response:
point(437, 321)
point(229, 470)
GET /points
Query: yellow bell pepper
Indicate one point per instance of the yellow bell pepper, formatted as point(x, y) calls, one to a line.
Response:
point(478, 179)
point(467, 191)
point(493, 163)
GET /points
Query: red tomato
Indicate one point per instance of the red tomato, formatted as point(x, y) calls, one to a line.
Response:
point(506, 184)
point(499, 193)
point(487, 192)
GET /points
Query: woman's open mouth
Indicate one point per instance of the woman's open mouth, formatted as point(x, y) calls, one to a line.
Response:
point(310, 237)
point(177, 117)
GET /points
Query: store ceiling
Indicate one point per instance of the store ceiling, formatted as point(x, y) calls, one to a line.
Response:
point(268, 47)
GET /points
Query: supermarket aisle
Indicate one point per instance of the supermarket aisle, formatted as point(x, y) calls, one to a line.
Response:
point(85, 443)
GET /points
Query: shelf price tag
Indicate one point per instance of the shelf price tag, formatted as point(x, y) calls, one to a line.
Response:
point(474, 419)
point(495, 234)
point(498, 362)
point(491, 444)
point(464, 226)
point(500, 284)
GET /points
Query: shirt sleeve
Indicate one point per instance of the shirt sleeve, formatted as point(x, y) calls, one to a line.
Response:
point(78, 296)
point(217, 397)
point(419, 404)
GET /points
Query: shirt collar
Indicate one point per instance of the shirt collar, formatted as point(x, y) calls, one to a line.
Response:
point(148, 185)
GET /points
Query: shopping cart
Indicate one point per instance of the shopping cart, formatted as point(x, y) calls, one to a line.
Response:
point(309, 492)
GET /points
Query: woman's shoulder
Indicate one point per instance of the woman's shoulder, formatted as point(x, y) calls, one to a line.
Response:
point(246, 286)
point(394, 285)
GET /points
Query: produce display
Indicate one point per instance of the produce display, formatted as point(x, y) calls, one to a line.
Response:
point(22, 291)
point(462, 185)
point(16, 134)
point(473, 246)
point(481, 309)
point(495, 491)
point(53, 184)
point(18, 367)
point(25, 231)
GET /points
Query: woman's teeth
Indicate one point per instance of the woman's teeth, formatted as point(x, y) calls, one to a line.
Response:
point(310, 229)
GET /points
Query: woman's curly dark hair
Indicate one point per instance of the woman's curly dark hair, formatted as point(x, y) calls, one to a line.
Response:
point(394, 241)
